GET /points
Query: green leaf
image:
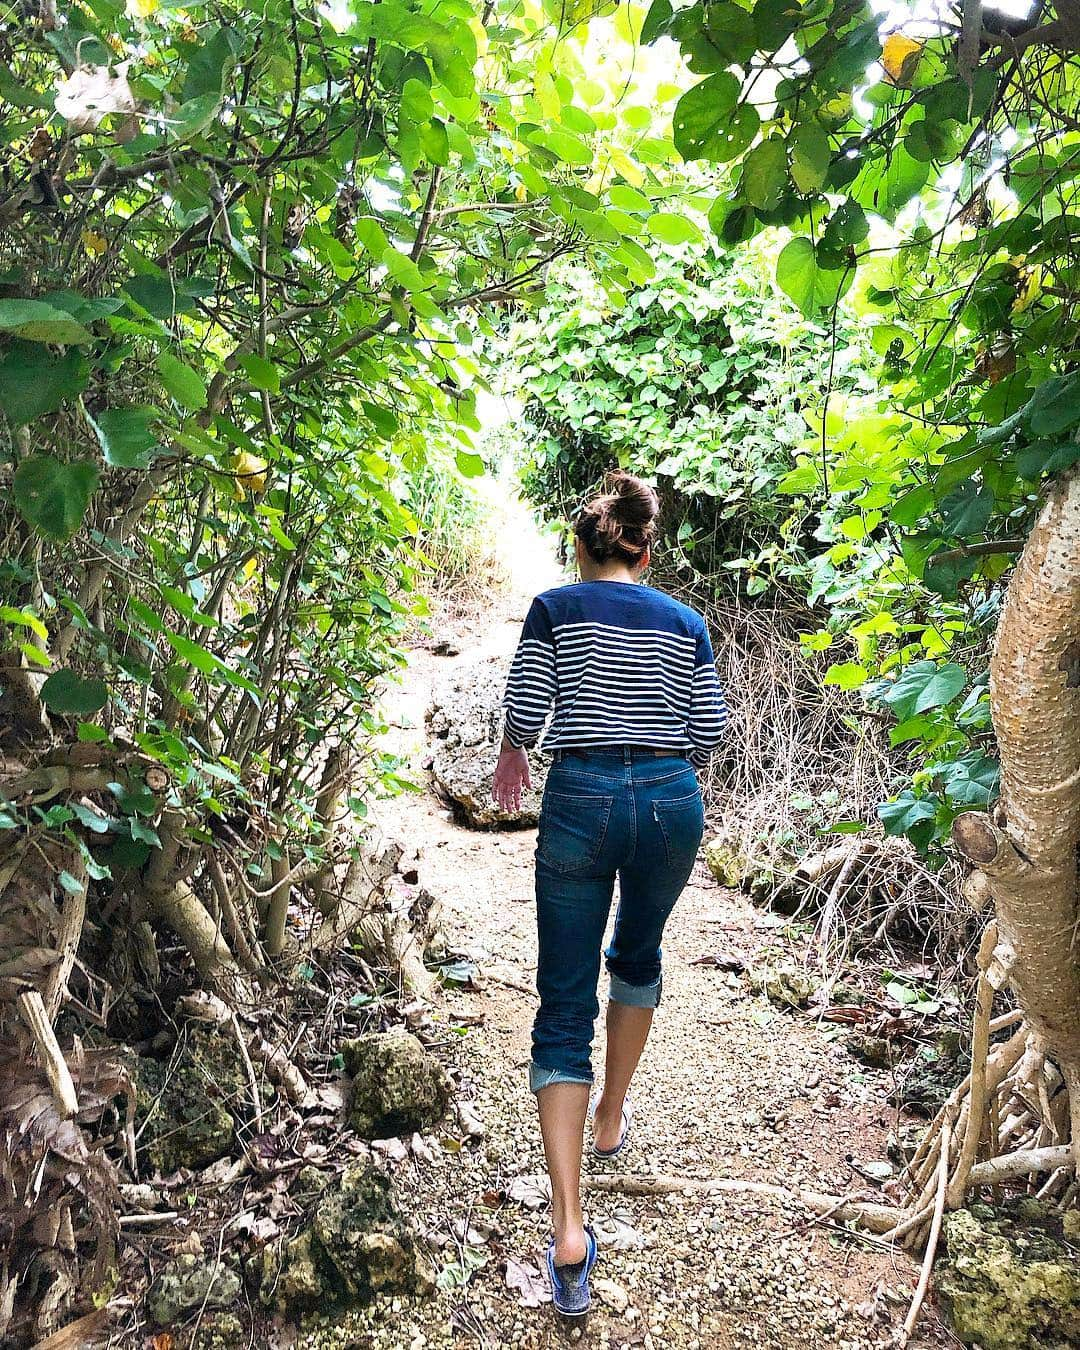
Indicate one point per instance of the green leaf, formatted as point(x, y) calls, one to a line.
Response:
point(655, 20)
point(1054, 406)
point(921, 686)
point(966, 511)
point(469, 465)
point(66, 692)
point(194, 116)
point(24, 618)
point(34, 381)
point(565, 146)
point(888, 183)
point(847, 675)
point(906, 811)
point(800, 276)
point(209, 63)
point(384, 420)
point(811, 152)
point(846, 227)
point(1046, 457)
point(35, 321)
point(702, 114)
point(912, 506)
point(52, 495)
point(262, 373)
point(205, 662)
point(162, 296)
point(668, 228)
point(765, 174)
point(94, 820)
point(183, 383)
point(125, 435)
point(944, 575)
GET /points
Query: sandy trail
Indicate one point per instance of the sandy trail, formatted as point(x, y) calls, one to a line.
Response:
point(730, 1086)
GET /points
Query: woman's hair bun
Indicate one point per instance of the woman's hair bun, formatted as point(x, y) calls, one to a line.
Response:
point(619, 523)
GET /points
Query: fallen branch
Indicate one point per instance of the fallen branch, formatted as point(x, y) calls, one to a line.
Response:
point(877, 1218)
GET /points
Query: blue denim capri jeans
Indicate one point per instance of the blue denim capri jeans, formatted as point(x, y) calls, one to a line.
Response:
point(620, 813)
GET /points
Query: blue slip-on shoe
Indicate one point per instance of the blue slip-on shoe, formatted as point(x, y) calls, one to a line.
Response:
point(570, 1284)
point(627, 1117)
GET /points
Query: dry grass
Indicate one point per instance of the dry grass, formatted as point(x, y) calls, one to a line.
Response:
point(803, 758)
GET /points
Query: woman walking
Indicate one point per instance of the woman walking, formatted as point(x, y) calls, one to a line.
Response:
point(630, 675)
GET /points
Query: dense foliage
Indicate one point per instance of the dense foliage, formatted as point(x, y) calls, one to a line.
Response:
point(700, 379)
point(929, 174)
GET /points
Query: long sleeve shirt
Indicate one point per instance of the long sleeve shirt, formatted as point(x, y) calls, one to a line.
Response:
point(615, 663)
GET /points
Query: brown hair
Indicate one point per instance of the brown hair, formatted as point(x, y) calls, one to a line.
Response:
point(619, 524)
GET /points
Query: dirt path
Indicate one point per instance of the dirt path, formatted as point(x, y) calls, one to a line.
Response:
point(730, 1086)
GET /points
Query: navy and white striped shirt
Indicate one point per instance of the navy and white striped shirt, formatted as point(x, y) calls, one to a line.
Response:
point(622, 664)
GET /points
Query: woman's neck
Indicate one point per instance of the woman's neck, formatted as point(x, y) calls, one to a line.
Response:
point(618, 572)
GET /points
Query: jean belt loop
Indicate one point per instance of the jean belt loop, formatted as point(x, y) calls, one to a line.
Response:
point(627, 754)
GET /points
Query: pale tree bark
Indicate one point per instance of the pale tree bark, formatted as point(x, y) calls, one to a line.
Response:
point(1028, 852)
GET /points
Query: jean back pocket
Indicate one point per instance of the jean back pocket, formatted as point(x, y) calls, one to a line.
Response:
point(572, 830)
point(682, 823)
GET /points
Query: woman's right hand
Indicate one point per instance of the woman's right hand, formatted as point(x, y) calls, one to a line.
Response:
point(511, 778)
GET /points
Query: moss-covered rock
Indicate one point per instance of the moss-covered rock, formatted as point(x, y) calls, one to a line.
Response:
point(371, 1250)
point(184, 1108)
point(356, 1246)
point(188, 1284)
point(1008, 1281)
point(219, 1331)
point(728, 864)
point(397, 1086)
point(786, 986)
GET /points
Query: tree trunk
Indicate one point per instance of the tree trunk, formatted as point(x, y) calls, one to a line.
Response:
point(1028, 852)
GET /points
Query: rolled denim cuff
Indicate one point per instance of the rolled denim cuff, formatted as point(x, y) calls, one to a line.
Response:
point(635, 995)
point(541, 1077)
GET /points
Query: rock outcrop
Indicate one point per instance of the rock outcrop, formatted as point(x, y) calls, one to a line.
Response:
point(1010, 1279)
point(464, 723)
point(397, 1087)
point(356, 1246)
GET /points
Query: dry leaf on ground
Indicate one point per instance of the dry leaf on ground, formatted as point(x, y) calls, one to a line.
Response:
point(533, 1192)
point(528, 1282)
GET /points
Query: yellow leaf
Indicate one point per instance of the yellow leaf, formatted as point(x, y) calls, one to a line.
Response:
point(900, 55)
point(249, 473)
point(521, 192)
point(628, 168)
point(142, 9)
point(1029, 288)
point(95, 244)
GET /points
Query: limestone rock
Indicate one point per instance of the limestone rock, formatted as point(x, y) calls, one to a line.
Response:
point(397, 1088)
point(874, 1051)
point(727, 864)
point(190, 1283)
point(219, 1331)
point(185, 1104)
point(786, 986)
point(737, 870)
point(1007, 1282)
point(356, 1246)
point(464, 723)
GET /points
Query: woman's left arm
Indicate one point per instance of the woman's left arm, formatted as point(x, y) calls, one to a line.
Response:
point(530, 692)
point(708, 710)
